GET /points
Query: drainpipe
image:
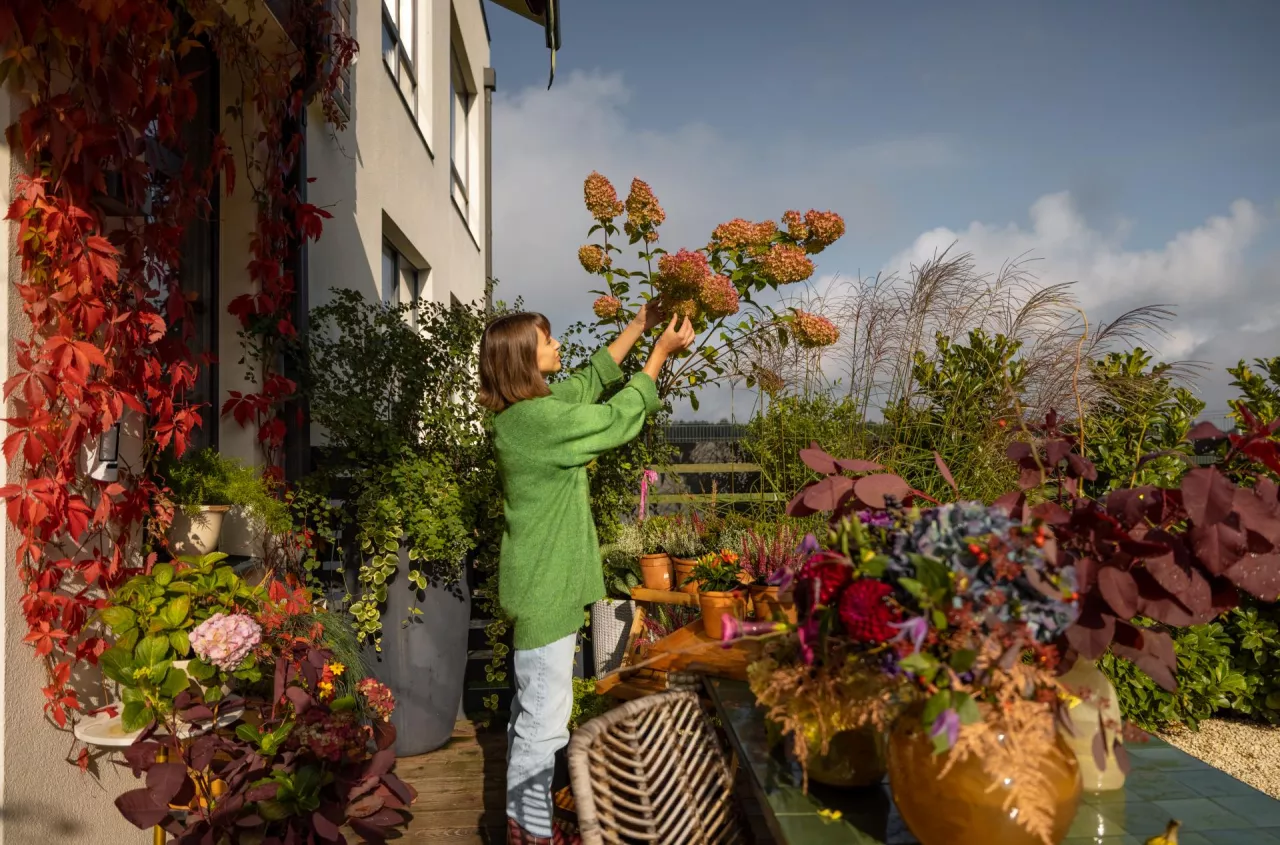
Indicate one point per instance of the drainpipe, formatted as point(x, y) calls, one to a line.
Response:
point(490, 85)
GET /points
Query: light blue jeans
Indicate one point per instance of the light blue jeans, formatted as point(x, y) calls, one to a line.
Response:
point(539, 728)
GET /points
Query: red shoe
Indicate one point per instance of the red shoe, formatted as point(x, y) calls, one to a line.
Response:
point(517, 835)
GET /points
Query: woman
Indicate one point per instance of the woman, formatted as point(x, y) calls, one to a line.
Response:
point(549, 568)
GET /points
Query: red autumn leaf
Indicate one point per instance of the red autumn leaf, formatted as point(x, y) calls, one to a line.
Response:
point(855, 465)
point(1206, 431)
point(1092, 632)
point(1056, 451)
point(1018, 451)
point(946, 473)
point(1119, 590)
point(816, 458)
point(1258, 575)
point(875, 490)
point(1207, 495)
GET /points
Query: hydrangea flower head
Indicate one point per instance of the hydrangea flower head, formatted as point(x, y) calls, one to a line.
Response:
point(784, 264)
point(607, 307)
point(814, 330)
point(743, 234)
point(642, 206)
point(680, 275)
point(719, 297)
point(601, 198)
point(592, 258)
point(795, 224)
point(225, 641)
point(824, 229)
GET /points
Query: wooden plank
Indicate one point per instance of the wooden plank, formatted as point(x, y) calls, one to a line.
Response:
point(697, 469)
point(664, 596)
point(725, 498)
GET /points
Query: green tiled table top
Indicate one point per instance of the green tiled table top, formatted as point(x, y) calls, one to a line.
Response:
point(1164, 783)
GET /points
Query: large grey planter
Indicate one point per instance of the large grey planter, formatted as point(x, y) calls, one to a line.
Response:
point(424, 660)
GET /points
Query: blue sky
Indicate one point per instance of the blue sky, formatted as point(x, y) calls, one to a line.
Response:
point(1146, 133)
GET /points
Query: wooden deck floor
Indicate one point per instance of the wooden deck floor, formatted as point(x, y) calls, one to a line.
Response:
point(461, 789)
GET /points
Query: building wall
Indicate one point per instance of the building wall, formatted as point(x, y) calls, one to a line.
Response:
point(388, 174)
point(42, 798)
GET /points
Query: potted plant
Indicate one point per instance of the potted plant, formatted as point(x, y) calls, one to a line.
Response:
point(685, 543)
point(720, 592)
point(202, 487)
point(646, 540)
point(612, 616)
point(769, 552)
point(408, 461)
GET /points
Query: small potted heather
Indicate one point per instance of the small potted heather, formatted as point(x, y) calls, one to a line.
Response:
point(768, 553)
point(717, 577)
point(685, 544)
point(650, 537)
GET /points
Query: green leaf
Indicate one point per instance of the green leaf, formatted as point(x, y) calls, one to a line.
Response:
point(963, 660)
point(176, 612)
point(136, 716)
point(922, 664)
point(933, 708)
point(119, 619)
point(162, 573)
point(151, 651)
point(248, 733)
point(117, 664)
point(181, 643)
point(346, 702)
point(967, 708)
point(200, 670)
point(912, 586)
point(174, 682)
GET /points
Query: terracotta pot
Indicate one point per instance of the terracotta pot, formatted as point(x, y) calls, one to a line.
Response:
point(655, 572)
point(715, 606)
point(1097, 698)
point(854, 758)
point(684, 568)
point(192, 536)
point(965, 807)
point(768, 604)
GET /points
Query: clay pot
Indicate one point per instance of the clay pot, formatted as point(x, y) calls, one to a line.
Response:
point(854, 758)
point(768, 604)
point(193, 536)
point(965, 807)
point(715, 606)
point(655, 572)
point(684, 568)
point(1097, 695)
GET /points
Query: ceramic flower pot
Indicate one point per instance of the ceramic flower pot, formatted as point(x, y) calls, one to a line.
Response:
point(715, 606)
point(655, 572)
point(684, 568)
point(966, 806)
point(192, 536)
point(854, 758)
point(768, 604)
point(1098, 705)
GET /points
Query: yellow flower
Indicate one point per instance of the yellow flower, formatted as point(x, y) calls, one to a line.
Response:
point(326, 689)
point(831, 815)
point(337, 669)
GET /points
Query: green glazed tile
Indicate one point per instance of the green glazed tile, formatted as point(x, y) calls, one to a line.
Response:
point(1255, 836)
point(1158, 786)
point(1261, 810)
point(1091, 824)
point(1143, 819)
point(1215, 784)
point(1162, 757)
point(1118, 839)
point(1200, 814)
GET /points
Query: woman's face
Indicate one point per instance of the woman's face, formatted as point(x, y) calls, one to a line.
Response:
point(548, 354)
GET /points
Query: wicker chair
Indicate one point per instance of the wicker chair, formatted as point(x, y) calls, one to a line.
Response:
point(652, 770)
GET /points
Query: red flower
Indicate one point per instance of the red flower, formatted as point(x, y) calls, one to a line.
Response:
point(867, 617)
point(831, 576)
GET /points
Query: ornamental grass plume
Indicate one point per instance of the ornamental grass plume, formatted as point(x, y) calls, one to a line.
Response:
point(680, 276)
point(600, 197)
point(718, 296)
point(642, 206)
point(784, 264)
point(607, 307)
point(813, 330)
point(592, 258)
point(225, 641)
point(823, 229)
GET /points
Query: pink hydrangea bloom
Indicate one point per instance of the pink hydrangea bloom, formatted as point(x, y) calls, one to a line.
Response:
point(719, 297)
point(607, 307)
point(743, 234)
point(225, 641)
point(681, 307)
point(642, 206)
point(814, 330)
point(795, 224)
point(601, 198)
point(380, 699)
point(825, 228)
point(784, 263)
point(592, 258)
point(680, 276)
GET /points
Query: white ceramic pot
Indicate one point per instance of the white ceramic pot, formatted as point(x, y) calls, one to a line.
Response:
point(1097, 696)
point(192, 536)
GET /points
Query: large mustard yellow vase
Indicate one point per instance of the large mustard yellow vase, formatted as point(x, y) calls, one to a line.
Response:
point(963, 808)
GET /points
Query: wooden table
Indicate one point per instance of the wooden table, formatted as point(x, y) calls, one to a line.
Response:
point(1165, 783)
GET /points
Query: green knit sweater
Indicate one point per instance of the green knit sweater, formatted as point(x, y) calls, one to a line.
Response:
point(550, 564)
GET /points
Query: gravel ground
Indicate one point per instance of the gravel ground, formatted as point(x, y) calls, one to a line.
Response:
point(1246, 751)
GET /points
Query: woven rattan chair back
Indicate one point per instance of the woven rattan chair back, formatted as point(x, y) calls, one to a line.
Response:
point(652, 770)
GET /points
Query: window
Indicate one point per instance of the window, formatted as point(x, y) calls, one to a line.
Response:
point(402, 283)
point(399, 40)
point(461, 99)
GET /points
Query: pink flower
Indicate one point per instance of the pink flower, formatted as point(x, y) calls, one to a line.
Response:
point(813, 330)
point(225, 641)
point(601, 198)
point(380, 699)
point(743, 234)
point(680, 276)
point(682, 307)
point(825, 228)
point(796, 227)
point(719, 297)
point(784, 263)
point(642, 206)
point(607, 307)
point(592, 258)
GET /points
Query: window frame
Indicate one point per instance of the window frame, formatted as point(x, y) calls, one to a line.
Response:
point(406, 59)
point(413, 277)
point(462, 98)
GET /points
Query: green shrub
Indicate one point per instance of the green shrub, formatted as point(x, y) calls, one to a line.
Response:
point(208, 478)
point(587, 703)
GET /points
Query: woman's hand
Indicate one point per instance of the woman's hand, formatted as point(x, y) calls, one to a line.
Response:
point(649, 315)
point(675, 339)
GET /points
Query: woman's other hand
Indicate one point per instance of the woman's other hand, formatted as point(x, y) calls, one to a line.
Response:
point(676, 338)
point(649, 315)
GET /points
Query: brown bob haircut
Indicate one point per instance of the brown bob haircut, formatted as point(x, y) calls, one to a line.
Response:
point(509, 360)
